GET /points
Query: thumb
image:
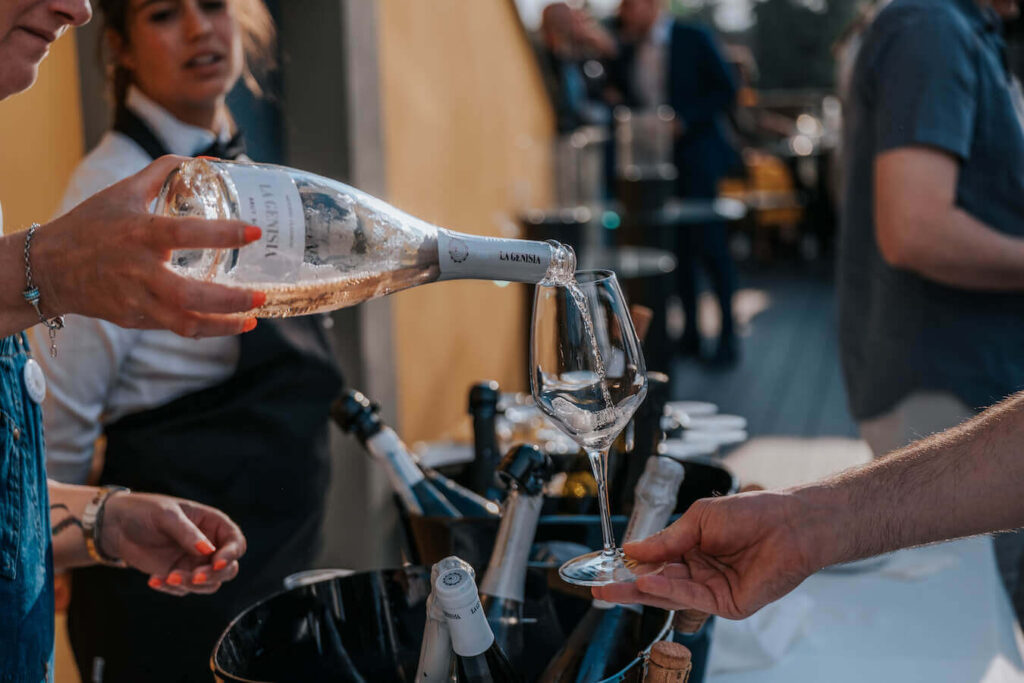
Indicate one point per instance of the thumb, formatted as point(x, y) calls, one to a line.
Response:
point(670, 543)
point(179, 527)
point(148, 181)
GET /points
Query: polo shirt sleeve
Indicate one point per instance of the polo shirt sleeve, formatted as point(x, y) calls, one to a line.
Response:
point(927, 83)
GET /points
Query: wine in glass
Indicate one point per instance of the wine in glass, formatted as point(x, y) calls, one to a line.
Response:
point(587, 374)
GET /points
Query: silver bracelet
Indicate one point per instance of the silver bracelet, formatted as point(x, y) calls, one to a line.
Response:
point(31, 295)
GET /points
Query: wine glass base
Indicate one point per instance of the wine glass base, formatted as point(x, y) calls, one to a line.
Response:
point(600, 569)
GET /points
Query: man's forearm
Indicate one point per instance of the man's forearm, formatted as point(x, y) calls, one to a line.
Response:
point(920, 227)
point(962, 482)
point(961, 251)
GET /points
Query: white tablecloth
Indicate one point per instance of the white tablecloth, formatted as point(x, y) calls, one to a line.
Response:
point(955, 624)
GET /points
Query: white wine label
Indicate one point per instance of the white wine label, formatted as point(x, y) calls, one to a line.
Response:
point(471, 634)
point(269, 199)
point(386, 445)
point(491, 258)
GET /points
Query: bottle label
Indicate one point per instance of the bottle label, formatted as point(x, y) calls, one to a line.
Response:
point(647, 519)
point(387, 446)
point(491, 258)
point(269, 199)
point(471, 634)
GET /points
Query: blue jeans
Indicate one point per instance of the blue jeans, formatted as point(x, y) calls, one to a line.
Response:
point(26, 560)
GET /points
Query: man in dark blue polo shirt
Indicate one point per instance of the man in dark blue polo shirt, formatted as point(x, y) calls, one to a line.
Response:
point(931, 277)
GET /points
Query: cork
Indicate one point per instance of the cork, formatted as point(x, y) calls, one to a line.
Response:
point(689, 620)
point(668, 663)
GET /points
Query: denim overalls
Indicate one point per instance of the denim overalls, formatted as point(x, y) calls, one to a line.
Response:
point(26, 561)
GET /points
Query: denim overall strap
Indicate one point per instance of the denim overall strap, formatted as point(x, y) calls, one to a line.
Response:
point(26, 563)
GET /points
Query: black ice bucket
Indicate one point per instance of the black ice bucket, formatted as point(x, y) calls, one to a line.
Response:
point(368, 627)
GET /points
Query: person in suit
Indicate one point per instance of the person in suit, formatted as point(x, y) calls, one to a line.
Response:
point(664, 61)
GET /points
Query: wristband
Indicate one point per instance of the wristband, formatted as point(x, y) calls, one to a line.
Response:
point(92, 526)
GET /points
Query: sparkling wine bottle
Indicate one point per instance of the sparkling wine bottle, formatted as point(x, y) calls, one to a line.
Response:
point(469, 503)
point(326, 245)
point(436, 649)
point(668, 663)
point(648, 434)
point(524, 470)
point(601, 641)
point(483, 407)
point(693, 629)
point(478, 656)
point(354, 413)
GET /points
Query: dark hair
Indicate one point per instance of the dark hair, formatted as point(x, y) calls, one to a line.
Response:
point(259, 38)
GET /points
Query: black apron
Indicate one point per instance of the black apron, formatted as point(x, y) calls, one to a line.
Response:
point(254, 447)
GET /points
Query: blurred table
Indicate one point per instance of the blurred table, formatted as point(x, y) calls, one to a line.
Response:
point(952, 623)
point(955, 625)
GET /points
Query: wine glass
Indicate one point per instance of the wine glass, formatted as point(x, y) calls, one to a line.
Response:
point(587, 374)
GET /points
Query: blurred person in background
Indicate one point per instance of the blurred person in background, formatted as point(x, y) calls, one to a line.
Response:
point(106, 258)
point(571, 45)
point(664, 61)
point(236, 422)
point(931, 258)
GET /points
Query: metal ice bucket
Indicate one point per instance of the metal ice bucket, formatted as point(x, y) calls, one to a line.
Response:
point(364, 627)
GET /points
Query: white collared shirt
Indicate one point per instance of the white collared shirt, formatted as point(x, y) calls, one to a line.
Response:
point(103, 372)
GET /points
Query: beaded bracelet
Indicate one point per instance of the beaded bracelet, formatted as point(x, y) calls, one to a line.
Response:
point(31, 295)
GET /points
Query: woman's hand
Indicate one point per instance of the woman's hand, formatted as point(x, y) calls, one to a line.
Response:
point(108, 258)
point(185, 547)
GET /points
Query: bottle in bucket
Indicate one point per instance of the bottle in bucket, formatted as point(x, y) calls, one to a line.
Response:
point(354, 413)
point(436, 649)
point(478, 657)
point(669, 663)
point(524, 470)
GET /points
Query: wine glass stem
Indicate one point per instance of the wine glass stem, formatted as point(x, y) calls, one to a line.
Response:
point(599, 464)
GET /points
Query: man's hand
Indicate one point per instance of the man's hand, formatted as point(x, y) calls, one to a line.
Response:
point(185, 547)
point(108, 258)
point(728, 556)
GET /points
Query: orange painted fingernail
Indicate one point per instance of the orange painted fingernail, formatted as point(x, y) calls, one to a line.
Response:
point(208, 158)
point(205, 547)
point(174, 580)
point(249, 326)
point(154, 582)
point(258, 299)
point(219, 564)
point(252, 233)
point(199, 578)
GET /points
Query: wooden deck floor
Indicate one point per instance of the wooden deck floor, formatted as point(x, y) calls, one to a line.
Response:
point(788, 380)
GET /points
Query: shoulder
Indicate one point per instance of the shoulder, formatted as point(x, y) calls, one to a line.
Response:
point(930, 27)
point(115, 158)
